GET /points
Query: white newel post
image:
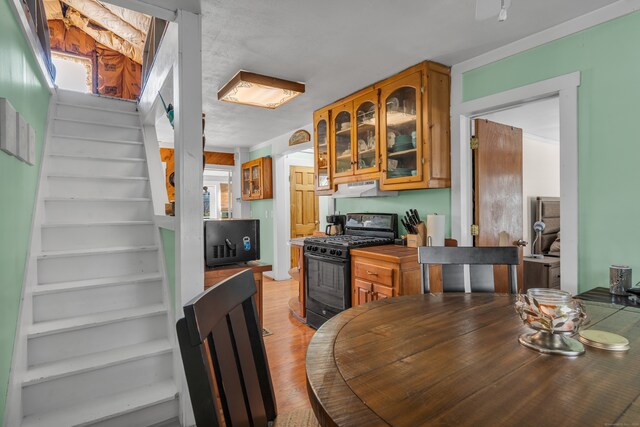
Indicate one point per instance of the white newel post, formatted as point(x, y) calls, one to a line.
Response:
point(187, 83)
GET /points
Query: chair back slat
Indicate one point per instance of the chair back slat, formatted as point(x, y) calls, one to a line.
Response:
point(248, 366)
point(485, 264)
point(220, 332)
point(234, 400)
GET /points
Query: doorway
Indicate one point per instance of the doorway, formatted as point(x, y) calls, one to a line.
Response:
point(516, 183)
point(566, 89)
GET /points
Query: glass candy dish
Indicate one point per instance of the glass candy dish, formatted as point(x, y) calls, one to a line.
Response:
point(554, 316)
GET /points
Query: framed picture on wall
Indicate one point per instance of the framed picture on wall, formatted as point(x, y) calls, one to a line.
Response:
point(8, 134)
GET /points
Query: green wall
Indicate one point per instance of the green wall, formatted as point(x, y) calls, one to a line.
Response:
point(169, 251)
point(21, 85)
point(608, 58)
point(424, 201)
point(263, 210)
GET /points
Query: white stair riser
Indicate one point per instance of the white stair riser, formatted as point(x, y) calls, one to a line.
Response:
point(96, 148)
point(85, 166)
point(79, 210)
point(78, 187)
point(61, 127)
point(71, 268)
point(93, 115)
point(96, 236)
point(145, 417)
point(81, 99)
point(79, 342)
point(61, 305)
point(72, 390)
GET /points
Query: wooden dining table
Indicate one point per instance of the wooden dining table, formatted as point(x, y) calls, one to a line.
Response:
point(455, 360)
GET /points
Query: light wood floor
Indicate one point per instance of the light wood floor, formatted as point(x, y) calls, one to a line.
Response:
point(287, 347)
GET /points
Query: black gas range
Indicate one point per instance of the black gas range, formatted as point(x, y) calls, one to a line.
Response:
point(328, 262)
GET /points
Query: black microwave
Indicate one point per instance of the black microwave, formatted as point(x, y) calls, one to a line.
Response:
point(229, 241)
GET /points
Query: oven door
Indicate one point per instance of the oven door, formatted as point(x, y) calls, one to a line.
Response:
point(328, 284)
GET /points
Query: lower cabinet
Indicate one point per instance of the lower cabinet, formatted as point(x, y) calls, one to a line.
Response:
point(381, 272)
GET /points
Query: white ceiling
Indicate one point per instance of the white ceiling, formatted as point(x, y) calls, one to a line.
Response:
point(337, 47)
point(539, 118)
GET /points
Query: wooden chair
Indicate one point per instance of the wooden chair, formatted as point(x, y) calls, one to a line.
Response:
point(480, 261)
point(225, 361)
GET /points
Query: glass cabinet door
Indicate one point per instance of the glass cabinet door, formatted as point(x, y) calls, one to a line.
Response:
point(342, 131)
point(402, 130)
point(366, 159)
point(255, 181)
point(246, 183)
point(322, 152)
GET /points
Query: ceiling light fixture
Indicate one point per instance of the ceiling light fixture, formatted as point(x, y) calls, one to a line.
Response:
point(258, 90)
point(503, 12)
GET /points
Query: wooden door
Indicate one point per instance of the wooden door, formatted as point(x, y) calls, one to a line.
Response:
point(497, 163)
point(361, 292)
point(304, 205)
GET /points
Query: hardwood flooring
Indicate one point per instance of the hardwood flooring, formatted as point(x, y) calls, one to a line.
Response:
point(287, 347)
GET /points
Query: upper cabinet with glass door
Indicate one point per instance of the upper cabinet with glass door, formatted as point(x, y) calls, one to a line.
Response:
point(396, 131)
point(342, 129)
point(401, 123)
point(366, 147)
point(322, 163)
point(257, 179)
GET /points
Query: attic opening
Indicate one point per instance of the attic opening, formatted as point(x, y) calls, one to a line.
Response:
point(108, 37)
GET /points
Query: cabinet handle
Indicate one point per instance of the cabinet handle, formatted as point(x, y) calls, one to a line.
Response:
point(372, 273)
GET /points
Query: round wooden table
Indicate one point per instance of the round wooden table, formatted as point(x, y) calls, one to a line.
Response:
point(455, 360)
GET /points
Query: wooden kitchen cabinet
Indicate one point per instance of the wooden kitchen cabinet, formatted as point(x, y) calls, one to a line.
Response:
point(322, 163)
point(257, 179)
point(415, 129)
point(380, 272)
point(396, 130)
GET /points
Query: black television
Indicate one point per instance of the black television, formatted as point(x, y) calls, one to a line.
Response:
point(230, 241)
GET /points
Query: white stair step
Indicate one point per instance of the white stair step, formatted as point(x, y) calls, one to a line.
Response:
point(88, 186)
point(58, 301)
point(56, 340)
point(72, 265)
point(74, 209)
point(97, 101)
point(89, 113)
point(116, 376)
point(87, 236)
point(96, 130)
point(95, 120)
point(78, 365)
point(99, 166)
point(53, 288)
point(140, 407)
point(97, 147)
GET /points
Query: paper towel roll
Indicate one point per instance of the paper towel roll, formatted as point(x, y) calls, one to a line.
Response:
point(435, 230)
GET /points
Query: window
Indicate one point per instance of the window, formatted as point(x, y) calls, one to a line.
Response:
point(73, 72)
point(218, 181)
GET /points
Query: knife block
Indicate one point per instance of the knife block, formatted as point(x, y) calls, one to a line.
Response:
point(420, 239)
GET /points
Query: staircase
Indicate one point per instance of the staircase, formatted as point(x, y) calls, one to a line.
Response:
point(98, 348)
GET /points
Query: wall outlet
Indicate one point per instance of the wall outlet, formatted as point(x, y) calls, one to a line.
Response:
point(8, 131)
point(23, 138)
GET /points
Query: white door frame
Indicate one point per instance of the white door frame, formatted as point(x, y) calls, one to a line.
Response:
point(566, 87)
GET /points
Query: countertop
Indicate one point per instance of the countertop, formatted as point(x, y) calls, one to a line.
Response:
point(390, 253)
point(297, 241)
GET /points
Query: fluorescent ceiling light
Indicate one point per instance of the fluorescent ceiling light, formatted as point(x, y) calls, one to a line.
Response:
point(260, 91)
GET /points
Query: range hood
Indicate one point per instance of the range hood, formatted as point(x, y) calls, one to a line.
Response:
point(362, 189)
